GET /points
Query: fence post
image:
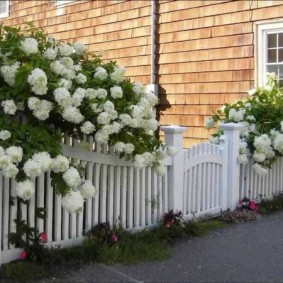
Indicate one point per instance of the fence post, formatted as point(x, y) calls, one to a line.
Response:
point(231, 166)
point(174, 137)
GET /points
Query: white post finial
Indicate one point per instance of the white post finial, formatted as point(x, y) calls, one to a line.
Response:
point(174, 137)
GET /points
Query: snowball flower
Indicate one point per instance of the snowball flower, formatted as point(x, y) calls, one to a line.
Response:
point(214, 140)
point(9, 107)
point(72, 114)
point(91, 93)
point(171, 150)
point(25, 190)
point(262, 143)
point(242, 147)
point(67, 62)
point(44, 159)
point(78, 97)
point(103, 118)
point(4, 135)
point(72, 177)
point(243, 159)
point(80, 79)
point(65, 49)
point(5, 161)
point(73, 202)
point(29, 45)
point(65, 83)
point(138, 88)
point(118, 74)
point(10, 171)
point(87, 190)
point(209, 123)
point(42, 112)
point(60, 164)
point(100, 73)
point(38, 80)
point(101, 93)
point(32, 168)
point(261, 171)
point(34, 103)
point(79, 47)
point(116, 92)
point(50, 53)
point(129, 148)
point(62, 97)
point(15, 153)
point(151, 98)
point(259, 156)
point(87, 128)
point(278, 143)
point(159, 169)
point(119, 147)
point(252, 92)
point(9, 73)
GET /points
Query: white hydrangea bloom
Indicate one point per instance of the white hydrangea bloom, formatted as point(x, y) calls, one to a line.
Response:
point(60, 164)
point(139, 161)
point(62, 97)
point(260, 171)
point(125, 119)
point(42, 112)
point(100, 73)
point(243, 159)
point(32, 168)
point(65, 49)
point(80, 79)
point(259, 156)
point(10, 171)
point(50, 53)
point(4, 135)
point(248, 105)
point(209, 123)
point(91, 93)
point(5, 161)
point(15, 153)
point(214, 140)
point(79, 47)
point(67, 62)
point(87, 190)
point(250, 118)
point(161, 154)
point(232, 113)
point(72, 177)
point(151, 124)
point(138, 88)
point(72, 114)
point(116, 127)
point(151, 98)
point(129, 148)
point(87, 128)
point(38, 80)
point(58, 68)
point(34, 103)
point(2, 151)
point(44, 159)
point(78, 97)
point(116, 92)
point(171, 150)
point(101, 93)
point(9, 107)
point(29, 45)
point(278, 143)
point(262, 143)
point(242, 147)
point(108, 106)
point(239, 115)
point(70, 74)
point(64, 83)
point(25, 190)
point(118, 74)
point(252, 92)
point(9, 73)
point(119, 147)
point(159, 169)
point(101, 137)
point(103, 118)
point(73, 202)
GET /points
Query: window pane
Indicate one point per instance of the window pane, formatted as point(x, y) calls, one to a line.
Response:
point(280, 39)
point(280, 72)
point(280, 55)
point(272, 69)
point(271, 40)
point(271, 56)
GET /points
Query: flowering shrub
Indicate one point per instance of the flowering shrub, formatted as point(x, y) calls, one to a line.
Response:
point(171, 218)
point(48, 88)
point(103, 233)
point(262, 120)
point(246, 203)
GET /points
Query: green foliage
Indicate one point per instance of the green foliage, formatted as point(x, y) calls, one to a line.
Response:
point(271, 205)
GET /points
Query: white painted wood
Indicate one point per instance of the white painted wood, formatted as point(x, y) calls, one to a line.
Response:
point(124, 197)
point(5, 219)
point(130, 199)
point(49, 206)
point(57, 215)
point(117, 195)
point(110, 196)
point(137, 198)
point(103, 193)
point(40, 201)
point(148, 197)
point(95, 202)
point(142, 197)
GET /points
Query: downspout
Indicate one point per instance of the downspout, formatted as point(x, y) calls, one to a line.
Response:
point(153, 86)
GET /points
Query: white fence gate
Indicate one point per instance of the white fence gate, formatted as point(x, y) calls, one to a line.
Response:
point(200, 181)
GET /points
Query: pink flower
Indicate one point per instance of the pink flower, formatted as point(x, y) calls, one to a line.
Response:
point(43, 237)
point(252, 205)
point(23, 255)
point(114, 238)
point(169, 223)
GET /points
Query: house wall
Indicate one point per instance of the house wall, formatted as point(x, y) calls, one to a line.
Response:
point(205, 49)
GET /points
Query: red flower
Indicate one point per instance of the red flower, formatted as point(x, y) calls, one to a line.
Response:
point(114, 238)
point(23, 255)
point(43, 237)
point(169, 223)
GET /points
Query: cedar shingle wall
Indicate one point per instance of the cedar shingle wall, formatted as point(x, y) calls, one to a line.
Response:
point(205, 48)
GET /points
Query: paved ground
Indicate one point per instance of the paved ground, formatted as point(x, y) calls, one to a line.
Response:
point(249, 252)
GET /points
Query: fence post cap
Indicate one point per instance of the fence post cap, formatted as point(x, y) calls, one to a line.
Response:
point(231, 126)
point(173, 129)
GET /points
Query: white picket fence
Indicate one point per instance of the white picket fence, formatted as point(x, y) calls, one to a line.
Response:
point(200, 181)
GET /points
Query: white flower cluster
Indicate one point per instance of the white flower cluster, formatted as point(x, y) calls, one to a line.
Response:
point(38, 80)
point(100, 73)
point(118, 74)
point(9, 73)
point(40, 108)
point(29, 45)
point(9, 107)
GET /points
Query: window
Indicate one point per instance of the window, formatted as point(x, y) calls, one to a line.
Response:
point(269, 51)
point(4, 8)
point(62, 2)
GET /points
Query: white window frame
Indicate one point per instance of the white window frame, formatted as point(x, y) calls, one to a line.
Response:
point(6, 13)
point(261, 31)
